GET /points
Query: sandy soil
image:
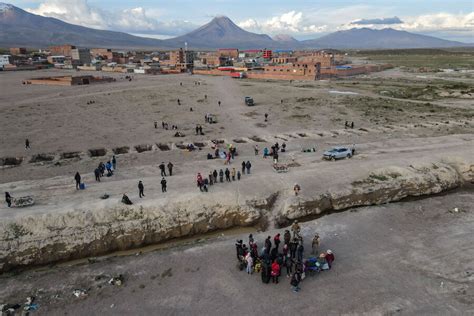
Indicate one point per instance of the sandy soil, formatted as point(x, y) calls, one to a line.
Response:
point(411, 258)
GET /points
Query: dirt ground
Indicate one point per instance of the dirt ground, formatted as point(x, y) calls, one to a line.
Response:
point(412, 257)
point(409, 258)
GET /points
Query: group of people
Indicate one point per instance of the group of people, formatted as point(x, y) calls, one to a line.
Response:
point(273, 152)
point(99, 172)
point(272, 257)
point(228, 174)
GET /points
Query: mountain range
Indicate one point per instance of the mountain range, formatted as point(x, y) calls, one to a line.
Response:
point(19, 28)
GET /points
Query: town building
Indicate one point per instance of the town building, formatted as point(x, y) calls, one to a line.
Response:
point(61, 50)
point(182, 59)
point(5, 60)
point(56, 59)
point(232, 53)
point(81, 56)
point(18, 51)
point(267, 54)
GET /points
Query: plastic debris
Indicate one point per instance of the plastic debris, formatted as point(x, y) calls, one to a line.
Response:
point(79, 293)
point(118, 280)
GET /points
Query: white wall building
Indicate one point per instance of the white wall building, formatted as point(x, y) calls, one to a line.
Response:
point(5, 60)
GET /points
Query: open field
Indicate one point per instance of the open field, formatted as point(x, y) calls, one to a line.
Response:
point(390, 258)
point(429, 58)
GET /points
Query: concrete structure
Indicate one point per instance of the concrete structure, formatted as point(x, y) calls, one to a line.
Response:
point(228, 52)
point(18, 51)
point(81, 56)
point(284, 60)
point(267, 54)
point(68, 80)
point(326, 60)
point(56, 59)
point(182, 59)
point(5, 60)
point(64, 50)
point(102, 53)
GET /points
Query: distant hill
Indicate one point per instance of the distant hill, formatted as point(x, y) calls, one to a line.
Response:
point(366, 38)
point(221, 32)
point(20, 28)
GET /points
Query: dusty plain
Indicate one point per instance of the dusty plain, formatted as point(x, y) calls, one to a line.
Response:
point(412, 257)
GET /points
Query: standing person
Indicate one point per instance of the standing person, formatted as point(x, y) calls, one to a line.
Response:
point(108, 166)
point(197, 129)
point(211, 179)
point(275, 271)
point(214, 174)
point(199, 181)
point(219, 103)
point(251, 240)
point(27, 144)
point(170, 168)
point(162, 168)
point(295, 228)
point(295, 281)
point(268, 244)
point(101, 168)
point(287, 237)
point(329, 257)
point(315, 244)
point(8, 199)
point(156, 124)
point(141, 188)
point(276, 240)
point(300, 252)
point(256, 150)
point(249, 260)
point(97, 174)
point(266, 117)
point(243, 167)
point(163, 185)
point(77, 177)
point(248, 165)
point(293, 247)
point(238, 175)
point(233, 174)
point(221, 176)
point(227, 174)
point(114, 162)
point(297, 189)
point(265, 152)
point(288, 265)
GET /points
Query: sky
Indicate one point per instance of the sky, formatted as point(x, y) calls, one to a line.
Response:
point(302, 19)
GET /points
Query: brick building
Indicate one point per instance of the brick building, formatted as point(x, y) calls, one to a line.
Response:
point(284, 60)
point(18, 51)
point(326, 60)
point(63, 50)
point(182, 59)
point(103, 53)
point(267, 54)
point(228, 52)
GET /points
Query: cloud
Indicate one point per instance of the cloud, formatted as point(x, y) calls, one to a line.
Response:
point(394, 20)
point(133, 20)
point(291, 22)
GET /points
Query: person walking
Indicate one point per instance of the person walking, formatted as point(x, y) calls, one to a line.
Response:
point(163, 185)
point(97, 174)
point(114, 162)
point(233, 174)
point(8, 199)
point(243, 167)
point(108, 166)
point(170, 168)
point(27, 144)
point(141, 188)
point(162, 168)
point(248, 165)
point(77, 177)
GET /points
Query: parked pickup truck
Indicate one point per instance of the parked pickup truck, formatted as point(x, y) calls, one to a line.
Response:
point(249, 101)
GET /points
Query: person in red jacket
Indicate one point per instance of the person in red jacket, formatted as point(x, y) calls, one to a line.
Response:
point(275, 271)
point(329, 257)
